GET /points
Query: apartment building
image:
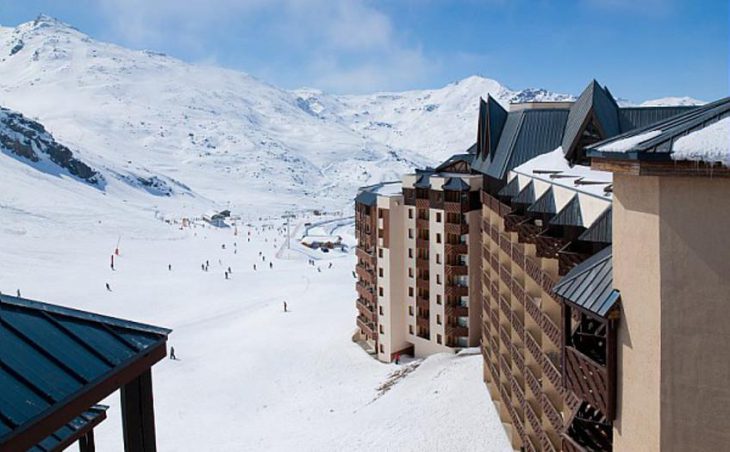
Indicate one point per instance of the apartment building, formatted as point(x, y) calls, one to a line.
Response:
point(425, 251)
point(568, 363)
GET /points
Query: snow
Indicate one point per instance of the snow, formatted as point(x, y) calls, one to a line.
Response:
point(249, 374)
point(710, 144)
point(625, 144)
point(672, 101)
point(555, 163)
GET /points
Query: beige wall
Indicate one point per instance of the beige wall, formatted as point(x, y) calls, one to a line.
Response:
point(672, 266)
point(695, 290)
point(636, 275)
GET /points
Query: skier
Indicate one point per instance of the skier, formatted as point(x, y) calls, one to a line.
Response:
point(226, 274)
point(169, 267)
point(397, 358)
point(330, 265)
point(108, 287)
point(254, 267)
point(285, 307)
point(271, 265)
point(229, 270)
point(112, 264)
point(18, 293)
point(319, 270)
point(223, 246)
point(354, 275)
point(172, 354)
point(202, 267)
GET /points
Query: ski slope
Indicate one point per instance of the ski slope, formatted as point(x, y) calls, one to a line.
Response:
point(249, 376)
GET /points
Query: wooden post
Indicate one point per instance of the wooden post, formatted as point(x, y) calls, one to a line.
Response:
point(138, 419)
point(86, 442)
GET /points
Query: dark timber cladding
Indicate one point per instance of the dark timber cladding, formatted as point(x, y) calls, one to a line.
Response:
point(56, 363)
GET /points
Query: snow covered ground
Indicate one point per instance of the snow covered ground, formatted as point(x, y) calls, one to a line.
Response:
point(250, 377)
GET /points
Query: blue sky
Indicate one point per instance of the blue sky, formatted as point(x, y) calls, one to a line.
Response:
point(641, 49)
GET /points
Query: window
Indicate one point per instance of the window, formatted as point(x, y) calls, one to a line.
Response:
point(380, 310)
point(380, 327)
point(410, 311)
point(410, 252)
point(438, 217)
point(410, 214)
point(438, 299)
point(380, 272)
point(410, 330)
point(380, 252)
point(438, 237)
point(381, 348)
point(438, 258)
point(410, 291)
point(380, 291)
point(438, 279)
point(410, 233)
point(380, 213)
point(438, 339)
point(410, 272)
point(438, 319)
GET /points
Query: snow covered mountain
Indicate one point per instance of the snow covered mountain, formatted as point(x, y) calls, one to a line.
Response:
point(167, 128)
point(672, 101)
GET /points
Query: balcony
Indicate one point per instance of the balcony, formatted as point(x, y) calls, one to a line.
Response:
point(365, 292)
point(533, 419)
point(588, 380)
point(569, 259)
point(422, 283)
point(527, 231)
point(506, 370)
point(533, 309)
point(456, 207)
point(519, 292)
point(504, 336)
point(505, 307)
point(494, 204)
point(456, 248)
point(366, 310)
point(547, 444)
point(456, 269)
point(422, 302)
point(548, 246)
point(422, 243)
point(366, 327)
point(423, 322)
point(422, 224)
point(422, 203)
point(517, 358)
point(365, 274)
point(505, 275)
point(494, 291)
point(365, 256)
point(533, 270)
point(552, 413)
point(532, 382)
point(533, 347)
point(511, 221)
point(458, 229)
point(456, 330)
point(505, 244)
point(551, 330)
point(422, 263)
point(456, 311)
point(456, 291)
point(517, 326)
point(518, 255)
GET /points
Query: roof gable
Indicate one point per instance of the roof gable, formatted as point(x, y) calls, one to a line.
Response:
point(601, 229)
point(589, 284)
point(545, 204)
point(594, 108)
point(570, 214)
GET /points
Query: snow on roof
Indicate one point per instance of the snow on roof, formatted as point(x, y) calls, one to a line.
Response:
point(555, 169)
point(626, 144)
point(710, 144)
point(389, 189)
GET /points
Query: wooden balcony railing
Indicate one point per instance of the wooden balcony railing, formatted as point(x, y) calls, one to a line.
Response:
point(365, 274)
point(533, 270)
point(366, 292)
point(529, 445)
point(422, 263)
point(511, 221)
point(456, 248)
point(421, 223)
point(547, 282)
point(517, 357)
point(547, 444)
point(587, 379)
point(494, 317)
point(456, 310)
point(505, 275)
point(456, 207)
point(532, 382)
point(423, 283)
point(493, 370)
point(551, 330)
point(504, 336)
point(517, 326)
point(456, 269)
point(533, 347)
point(422, 243)
point(569, 445)
point(533, 419)
point(364, 255)
point(547, 246)
point(518, 254)
point(494, 263)
point(519, 292)
point(367, 327)
point(423, 322)
point(422, 203)
point(518, 392)
point(456, 291)
point(458, 229)
point(366, 310)
point(505, 244)
point(456, 330)
point(569, 259)
point(506, 369)
point(422, 302)
point(505, 307)
point(550, 369)
point(527, 231)
point(552, 413)
point(533, 309)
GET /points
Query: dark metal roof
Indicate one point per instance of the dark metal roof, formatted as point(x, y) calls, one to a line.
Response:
point(526, 195)
point(71, 432)
point(456, 184)
point(511, 189)
point(659, 147)
point(545, 204)
point(489, 128)
point(601, 229)
point(570, 214)
point(466, 158)
point(423, 181)
point(637, 117)
point(53, 356)
point(366, 197)
point(589, 284)
point(594, 100)
point(525, 135)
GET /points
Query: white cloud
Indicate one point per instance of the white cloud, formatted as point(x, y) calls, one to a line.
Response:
point(341, 45)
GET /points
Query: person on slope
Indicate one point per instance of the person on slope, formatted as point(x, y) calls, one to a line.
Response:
point(108, 287)
point(172, 354)
point(271, 265)
point(285, 307)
